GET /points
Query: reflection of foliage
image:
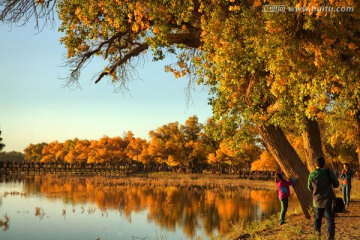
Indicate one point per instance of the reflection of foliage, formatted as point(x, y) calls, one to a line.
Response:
point(14, 193)
point(39, 212)
point(169, 206)
point(4, 223)
point(91, 210)
point(139, 238)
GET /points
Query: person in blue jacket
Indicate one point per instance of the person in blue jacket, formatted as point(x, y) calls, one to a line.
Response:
point(283, 193)
point(346, 176)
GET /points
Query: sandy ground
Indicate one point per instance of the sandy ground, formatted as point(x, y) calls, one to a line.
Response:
point(347, 225)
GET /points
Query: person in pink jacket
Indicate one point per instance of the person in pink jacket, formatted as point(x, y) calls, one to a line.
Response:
point(282, 186)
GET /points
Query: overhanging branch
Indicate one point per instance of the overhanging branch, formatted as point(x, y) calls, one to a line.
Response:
point(134, 52)
point(14, 11)
point(87, 55)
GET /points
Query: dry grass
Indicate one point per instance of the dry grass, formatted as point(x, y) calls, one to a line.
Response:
point(201, 180)
point(205, 180)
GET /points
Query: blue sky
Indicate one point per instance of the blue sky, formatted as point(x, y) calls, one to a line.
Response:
point(35, 106)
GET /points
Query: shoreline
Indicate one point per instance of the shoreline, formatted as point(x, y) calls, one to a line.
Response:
point(297, 227)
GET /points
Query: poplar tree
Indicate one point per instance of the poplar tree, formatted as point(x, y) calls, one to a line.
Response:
point(268, 65)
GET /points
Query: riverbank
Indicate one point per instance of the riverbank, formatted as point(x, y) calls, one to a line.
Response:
point(300, 228)
point(297, 227)
point(226, 181)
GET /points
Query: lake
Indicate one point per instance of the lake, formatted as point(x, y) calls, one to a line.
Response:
point(97, 208)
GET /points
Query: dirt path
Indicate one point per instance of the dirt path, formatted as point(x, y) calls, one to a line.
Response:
point(347, 225)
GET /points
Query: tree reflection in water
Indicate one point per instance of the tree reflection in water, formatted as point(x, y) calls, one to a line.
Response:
point(188, 207)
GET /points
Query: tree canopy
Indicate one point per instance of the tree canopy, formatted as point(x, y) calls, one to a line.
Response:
point(185, 147)
point(268, 65)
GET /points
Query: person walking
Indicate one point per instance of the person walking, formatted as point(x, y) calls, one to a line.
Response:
point(321, 182)
point(283, 193)
point(346, 176)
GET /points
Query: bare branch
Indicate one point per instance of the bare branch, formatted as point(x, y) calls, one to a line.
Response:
point(79, 62)
point(23, 11)
point(134, 52)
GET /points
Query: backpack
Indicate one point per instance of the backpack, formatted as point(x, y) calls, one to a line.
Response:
point(338, 203)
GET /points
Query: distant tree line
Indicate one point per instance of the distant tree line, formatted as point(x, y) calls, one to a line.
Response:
point(12, 156)
point(191, 147)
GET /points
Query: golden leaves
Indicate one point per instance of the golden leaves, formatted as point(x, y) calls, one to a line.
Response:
point(257, 3)
point(289, 57)
point(273, 108)
point(272, 27)
point(312, 109)
point(156, 30)
point(177, 73)
point(234, 8)
point(265, 163)
point(201, 8)
point(352, 46)
point(279, 86)
point(319, 60)
point(78, 12)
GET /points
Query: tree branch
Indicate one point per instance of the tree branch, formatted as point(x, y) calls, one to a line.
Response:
point(13, 11)
point(87, 55)
point(134, 52)
point(190, 38)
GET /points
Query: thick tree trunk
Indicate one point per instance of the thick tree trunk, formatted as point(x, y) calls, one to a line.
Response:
point(289, 161)
point(358, 153)
point(357, 122)
point(312, 142)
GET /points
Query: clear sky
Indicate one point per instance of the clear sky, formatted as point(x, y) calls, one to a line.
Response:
point(35, 106)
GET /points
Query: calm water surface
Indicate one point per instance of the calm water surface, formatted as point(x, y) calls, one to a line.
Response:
point(61, 208)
